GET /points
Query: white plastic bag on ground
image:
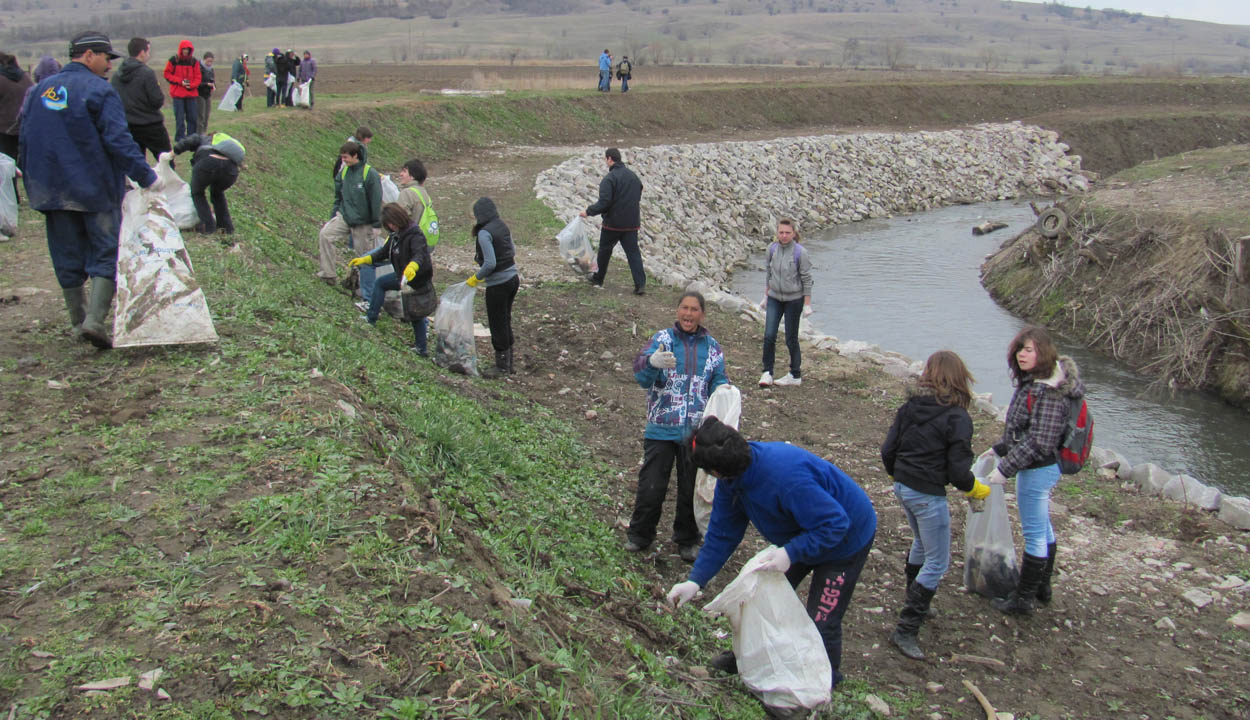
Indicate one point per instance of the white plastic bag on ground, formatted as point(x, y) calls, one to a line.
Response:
point(453, 323)
point(726, 405)
point(575, 248)
point(990, 567)
point(780, 654)
point(390, 191)
point(158, 300)
point(299, 96)
point(231, 98)
point(177, 194)
point(8, 196)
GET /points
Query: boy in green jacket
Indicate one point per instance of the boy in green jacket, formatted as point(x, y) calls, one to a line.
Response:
point(357, 212)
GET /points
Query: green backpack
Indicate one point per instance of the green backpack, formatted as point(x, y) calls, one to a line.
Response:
point(429, 220)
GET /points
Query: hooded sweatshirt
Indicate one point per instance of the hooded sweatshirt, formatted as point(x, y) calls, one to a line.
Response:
point(929, 445)
point(13, 86)
point(495, 254)
point(183, 66)
point(140, 92)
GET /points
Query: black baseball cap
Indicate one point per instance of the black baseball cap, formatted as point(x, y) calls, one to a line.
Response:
point(92, 40)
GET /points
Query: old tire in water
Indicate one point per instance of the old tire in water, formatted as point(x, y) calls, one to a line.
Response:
point(1052, 222)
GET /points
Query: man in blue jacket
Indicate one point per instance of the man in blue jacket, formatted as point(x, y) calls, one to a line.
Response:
point(605, 71)
point(76, 153)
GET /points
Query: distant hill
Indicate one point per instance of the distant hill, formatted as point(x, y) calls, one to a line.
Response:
point(992, 35)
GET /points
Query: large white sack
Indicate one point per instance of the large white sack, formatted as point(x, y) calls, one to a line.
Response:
point(177, 193)
point(390, 191)
point(780, 654)
point(299, 96)
point(8, 196)
point(158, 300)
point(726, 404)
point(231, 98)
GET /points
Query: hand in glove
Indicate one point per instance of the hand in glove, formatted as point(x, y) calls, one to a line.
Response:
point(979, 491)
point(682, 593)
point(996, 478)
point(362, 260)
point(778, 560)
point(807, 311)
point(410, 271)
point(472, 281)
point(662, 360)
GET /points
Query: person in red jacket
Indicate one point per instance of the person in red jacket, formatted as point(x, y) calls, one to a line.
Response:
point(183, 74)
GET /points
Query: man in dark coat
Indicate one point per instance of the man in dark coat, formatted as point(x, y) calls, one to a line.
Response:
point(620, 192)
point(141, 95)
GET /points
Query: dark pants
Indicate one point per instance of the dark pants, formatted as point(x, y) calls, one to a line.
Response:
point(629, 242)
point(829, 597)
point(185, 112)
point(215, 175)
point(82, 245)
point(792, 310)
point(659, 456)
point(270, 96)
point(283, 94)
point(203, 110)
point(499, 312)
point(153, 138)
point(624, 83)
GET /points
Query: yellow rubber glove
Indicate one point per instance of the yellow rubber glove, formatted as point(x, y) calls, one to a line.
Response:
point(472, 281)
point(362, 260)
point(979, 490)
point(411, 270)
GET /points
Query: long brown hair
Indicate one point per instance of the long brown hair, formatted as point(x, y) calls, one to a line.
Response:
point(395, 216)
point(1047, 353)
point(947, 376)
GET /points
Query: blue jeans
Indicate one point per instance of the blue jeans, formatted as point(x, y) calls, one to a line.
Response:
point(369, 274)
point(390, 281)
point(828, 598)
point(930, 520)
point(1033, 500)
point(624, 84)
point(603, 81)
point(82, 244)
point(185, 113)
point(793, 312)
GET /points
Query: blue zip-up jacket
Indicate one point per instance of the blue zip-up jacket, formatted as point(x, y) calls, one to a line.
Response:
point(676, 398)
point(76, 151)
point(797, 501)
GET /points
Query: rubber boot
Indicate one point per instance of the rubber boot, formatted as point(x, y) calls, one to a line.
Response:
point(910, 618)
point(911, 571)
point(93, 328)
point(1023, 600)
point(726, 663)
point(76, 303)
point(1043, 590)
point(501, 366)
point(508, 361)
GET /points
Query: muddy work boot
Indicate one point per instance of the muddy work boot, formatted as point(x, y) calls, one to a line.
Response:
point(93, 327)
point(1023, 600)
point(1043, 589)
point(76, 303)
point(910, 618)
point(725, 663)
point(501, 366)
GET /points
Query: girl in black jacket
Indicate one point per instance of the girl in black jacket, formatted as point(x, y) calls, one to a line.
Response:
point(929, 446)
point(413, 276)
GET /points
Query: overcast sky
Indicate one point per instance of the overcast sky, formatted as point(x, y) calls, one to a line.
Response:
point(1230, 12)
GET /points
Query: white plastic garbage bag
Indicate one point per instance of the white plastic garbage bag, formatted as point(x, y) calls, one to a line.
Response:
point(158, 300)
point(177, 194)
point(231, 98)
point(453, 323)
point(8, 196)
point(990, 567)
point(390, 191)
point(780, 654)
point(299, 96)
point(575, 248)
point(271, 81)
point(726, 405)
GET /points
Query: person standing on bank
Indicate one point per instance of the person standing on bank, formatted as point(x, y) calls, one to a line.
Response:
point(357, 217)
point(182, 72)
point(208, 83)
point(214, 168)
point(625, 72)
point(928, 447)
point(75, 154)
point(821, 522)
point(620, 196)
point(605, 71)
point(679, 368)
point(239, 73)
point(1036, 420)
point(308, 74)
point(281, 70)
point(788, 294)
point(141, 95)
point(496, 259)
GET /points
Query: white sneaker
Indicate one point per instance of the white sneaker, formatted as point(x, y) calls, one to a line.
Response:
point(789, 379)
point(766, 379)
point(362, 306)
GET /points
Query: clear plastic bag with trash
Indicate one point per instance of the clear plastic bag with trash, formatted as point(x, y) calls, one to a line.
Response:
point(780, 654)
point(8, 196)
point(725, 404)
point(990, 566)
point(453, 323)
point(390, 191)
point(231, 97)
point(576, 249)
point(177, 193)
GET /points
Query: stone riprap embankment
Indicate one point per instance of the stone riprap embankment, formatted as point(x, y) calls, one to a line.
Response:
point(707, 207)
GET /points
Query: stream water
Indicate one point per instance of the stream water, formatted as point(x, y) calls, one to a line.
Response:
point(912, 284)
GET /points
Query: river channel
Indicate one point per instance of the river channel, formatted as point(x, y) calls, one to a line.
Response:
point(912, 284)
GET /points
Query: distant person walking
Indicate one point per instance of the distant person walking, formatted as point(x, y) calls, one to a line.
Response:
point(624, 73)
point(271, 78)
point(788, 294)
point(183, 74)
point(620, 193)
point(75, 157)
point(141, 95)
point(208, 83)
point(308, 74)
point(281, 69)
point(605, 71)
point(240, 74)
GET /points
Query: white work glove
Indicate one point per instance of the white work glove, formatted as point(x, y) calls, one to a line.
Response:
point(996, 478)
point(807, 310)
point(662, 360)
point(682, 593)
point(777, 560)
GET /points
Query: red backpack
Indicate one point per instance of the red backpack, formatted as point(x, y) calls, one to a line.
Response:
point(1078, 437)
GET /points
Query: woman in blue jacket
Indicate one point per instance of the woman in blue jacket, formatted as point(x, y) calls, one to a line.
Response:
point(679, 368)
point(821, 521)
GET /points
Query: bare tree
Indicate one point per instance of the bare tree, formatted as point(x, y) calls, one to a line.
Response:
point(988, 58)
point(894, 50)
point(850, 52)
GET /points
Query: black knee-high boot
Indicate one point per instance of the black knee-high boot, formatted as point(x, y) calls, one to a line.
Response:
point(1043, 590)
point(910, 618)
point(1023, 600)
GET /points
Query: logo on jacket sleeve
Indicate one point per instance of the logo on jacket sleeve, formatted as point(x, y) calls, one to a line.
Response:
point(55, 99)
